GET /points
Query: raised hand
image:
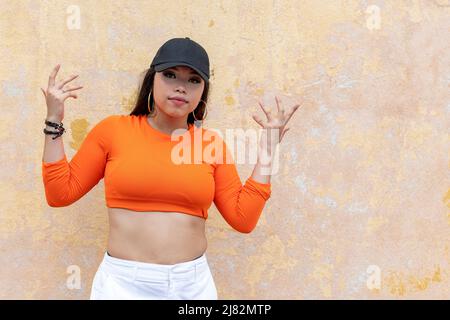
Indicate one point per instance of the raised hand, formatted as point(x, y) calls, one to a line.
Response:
point(276, 120)
point(56, 94)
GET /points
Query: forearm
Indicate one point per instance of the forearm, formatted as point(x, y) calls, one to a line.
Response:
point(267, 148)
point(53, 148)
point(260, 172)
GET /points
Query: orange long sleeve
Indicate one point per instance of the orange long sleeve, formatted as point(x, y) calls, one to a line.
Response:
point(240, 205)
point(141, 172)
point(66, 182)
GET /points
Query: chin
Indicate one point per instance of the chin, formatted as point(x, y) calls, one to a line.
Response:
point(177, 113)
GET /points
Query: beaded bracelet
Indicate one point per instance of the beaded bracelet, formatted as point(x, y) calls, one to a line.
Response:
point(59, 127)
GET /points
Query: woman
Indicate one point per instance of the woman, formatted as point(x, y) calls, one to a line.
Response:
point(157, 207)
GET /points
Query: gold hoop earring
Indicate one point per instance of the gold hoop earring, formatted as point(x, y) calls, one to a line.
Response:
point(150, 107)
point(204, 112)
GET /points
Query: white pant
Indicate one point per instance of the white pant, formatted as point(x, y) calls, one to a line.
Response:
point(118, 279)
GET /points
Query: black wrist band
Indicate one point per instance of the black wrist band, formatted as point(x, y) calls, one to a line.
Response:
point(54, 124)
point(58, 134)
point(59, 127)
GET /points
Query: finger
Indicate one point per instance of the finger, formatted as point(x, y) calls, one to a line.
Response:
point(266, 111)
point(60, 85)
point(291, 112)
point(279, 108)
point(284, 132)
point(71, 89)
point(260, 121)
point(51, 78)
point(43, 91)
point(69, 95)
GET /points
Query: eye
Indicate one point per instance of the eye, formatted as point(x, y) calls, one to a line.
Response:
point(168, 74)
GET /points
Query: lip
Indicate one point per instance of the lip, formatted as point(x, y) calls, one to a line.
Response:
point(177, 102)
point(178, 98)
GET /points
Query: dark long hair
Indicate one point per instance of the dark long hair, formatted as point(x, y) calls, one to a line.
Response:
point(141, 107)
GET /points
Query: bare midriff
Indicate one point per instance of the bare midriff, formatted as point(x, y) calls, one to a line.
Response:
point(155, 237)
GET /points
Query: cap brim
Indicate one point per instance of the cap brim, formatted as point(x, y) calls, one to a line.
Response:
point(163, 66)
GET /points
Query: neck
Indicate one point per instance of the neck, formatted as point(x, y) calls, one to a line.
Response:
point(168, 124)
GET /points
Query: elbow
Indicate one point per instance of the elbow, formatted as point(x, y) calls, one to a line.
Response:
point(246, 223)
point(57, 203)
point(57, 198)
point(245, 228)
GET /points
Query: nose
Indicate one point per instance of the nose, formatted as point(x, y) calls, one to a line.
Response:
point(180, 89)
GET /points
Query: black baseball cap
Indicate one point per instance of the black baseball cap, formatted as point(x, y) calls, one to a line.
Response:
point(182, 52)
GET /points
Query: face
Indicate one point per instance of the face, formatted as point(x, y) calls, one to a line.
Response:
point(181, 81)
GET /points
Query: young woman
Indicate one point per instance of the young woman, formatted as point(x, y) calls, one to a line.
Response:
point(157, 207)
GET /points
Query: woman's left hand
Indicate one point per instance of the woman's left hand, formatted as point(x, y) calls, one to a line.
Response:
point(276, 120)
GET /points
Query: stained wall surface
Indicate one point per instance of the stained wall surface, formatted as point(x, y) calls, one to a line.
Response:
point(360, 205)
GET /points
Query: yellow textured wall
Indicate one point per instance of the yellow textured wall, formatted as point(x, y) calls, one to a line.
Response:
point(360, 206)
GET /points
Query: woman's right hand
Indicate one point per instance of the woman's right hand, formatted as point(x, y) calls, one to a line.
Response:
point(56, 94)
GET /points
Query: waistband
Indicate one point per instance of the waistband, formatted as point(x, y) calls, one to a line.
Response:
point(144, 271)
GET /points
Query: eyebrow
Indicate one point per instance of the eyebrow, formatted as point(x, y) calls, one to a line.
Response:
point(176, 68)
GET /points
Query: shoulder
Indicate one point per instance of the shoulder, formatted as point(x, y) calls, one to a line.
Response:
point(114, 120)
point(109, 120)
point(106, 126)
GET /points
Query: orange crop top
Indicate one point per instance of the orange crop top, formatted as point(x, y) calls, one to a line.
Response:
point(143, 171)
